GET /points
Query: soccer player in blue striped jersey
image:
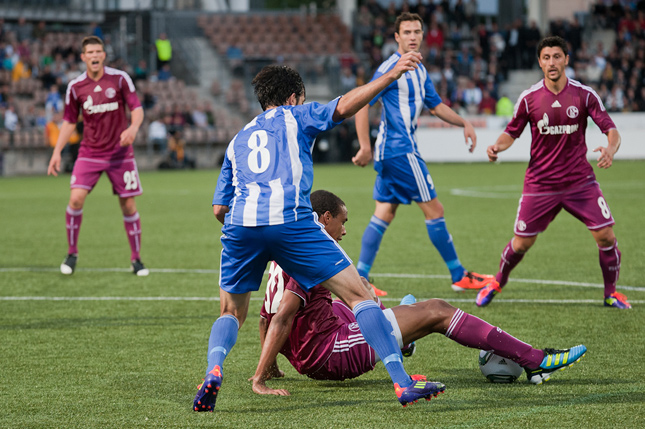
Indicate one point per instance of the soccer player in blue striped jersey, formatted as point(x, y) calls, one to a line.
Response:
point(403, 176)
point(262, 198)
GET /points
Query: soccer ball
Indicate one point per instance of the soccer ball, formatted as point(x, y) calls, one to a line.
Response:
point(498, 369)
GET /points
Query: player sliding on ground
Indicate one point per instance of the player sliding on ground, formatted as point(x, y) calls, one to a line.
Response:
point(559, 175)
point(322, 340)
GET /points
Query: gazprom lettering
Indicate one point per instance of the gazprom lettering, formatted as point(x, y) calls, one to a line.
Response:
point(99, 108)
point(559, 129)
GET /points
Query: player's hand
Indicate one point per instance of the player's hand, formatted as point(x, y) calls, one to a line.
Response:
point(407, 62)
point(127, 136)
point(469, 133)
point(362, 157)
point(260, 387)
point(492, 151)
point(54, 165)
point(606, 157)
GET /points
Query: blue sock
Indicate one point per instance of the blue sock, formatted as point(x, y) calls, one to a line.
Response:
point(222, 339)
point(442, 240)
point(377, 331)
point(370, 244)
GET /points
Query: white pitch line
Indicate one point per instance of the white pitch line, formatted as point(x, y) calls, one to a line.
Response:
point(384, 275)
point(203, 298)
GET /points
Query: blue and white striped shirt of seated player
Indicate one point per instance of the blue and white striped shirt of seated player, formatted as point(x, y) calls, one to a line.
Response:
point(402, 101)
point(267, 173)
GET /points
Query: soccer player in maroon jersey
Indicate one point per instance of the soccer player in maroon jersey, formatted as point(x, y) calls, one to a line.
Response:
point(321, 338)
point(558, 175)
point(101, 94)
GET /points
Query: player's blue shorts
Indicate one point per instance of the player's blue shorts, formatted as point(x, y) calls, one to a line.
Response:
point(403, 179)
point(303, 249)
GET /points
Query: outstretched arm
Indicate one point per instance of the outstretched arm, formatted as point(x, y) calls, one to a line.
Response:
point(66, 131)
point(448, 115)
point(606, 157)
point(364, 154)
point(504, 141)
point(276, 335)
point(355, 99)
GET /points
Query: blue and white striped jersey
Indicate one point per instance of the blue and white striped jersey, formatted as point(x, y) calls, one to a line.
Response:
point(402, 103)
point(267, 173)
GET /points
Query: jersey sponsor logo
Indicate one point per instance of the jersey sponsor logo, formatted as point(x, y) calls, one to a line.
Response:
point(99, 108)
point(98, 88)
point(556, 104)
point(354, 327)
point(110, 93)
point(572, 112)
point(543, 126)
point(521, 225)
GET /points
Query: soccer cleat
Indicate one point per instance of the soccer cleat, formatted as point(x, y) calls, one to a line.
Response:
point(486, 295)
point(408, 349)
point(554, 360)
point(139, 269)
point(417, 390)
point(472, 281)
point(69, 264)
point(617, 300)
point(378, 291)
point(208, 390)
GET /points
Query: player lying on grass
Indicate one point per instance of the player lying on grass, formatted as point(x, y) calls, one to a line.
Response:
point(321, 338)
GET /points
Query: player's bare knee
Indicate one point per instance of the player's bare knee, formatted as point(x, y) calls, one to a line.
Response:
point(523, 244)
point(437, 311)
point(605, 237)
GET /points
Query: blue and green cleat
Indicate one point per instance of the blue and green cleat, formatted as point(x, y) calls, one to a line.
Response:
point(417, 390)
point(208, 390)
point(554, 360)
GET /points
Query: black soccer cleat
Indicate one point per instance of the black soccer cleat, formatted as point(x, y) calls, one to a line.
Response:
point(139, 269)
point(69, 264)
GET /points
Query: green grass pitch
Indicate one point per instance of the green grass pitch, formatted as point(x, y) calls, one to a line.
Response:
point(104, 348)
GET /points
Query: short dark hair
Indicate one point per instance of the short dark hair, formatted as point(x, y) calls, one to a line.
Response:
point(274, 84)
point(406, 16)
point(552, 42)
point(91, 40)
point(324, 201)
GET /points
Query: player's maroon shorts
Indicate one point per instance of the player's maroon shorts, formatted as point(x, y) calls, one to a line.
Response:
point(586, 203)
point(352, 356)
point(122, 173)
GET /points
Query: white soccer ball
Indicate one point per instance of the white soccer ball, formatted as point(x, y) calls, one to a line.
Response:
point(498, 369)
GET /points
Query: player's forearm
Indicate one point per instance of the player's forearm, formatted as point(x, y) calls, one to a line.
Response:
point(363, 127)
point(276, 336)
point(613, 140)
point(66, 131)
point(136, 118)
point(504, 141)
point(448, 115)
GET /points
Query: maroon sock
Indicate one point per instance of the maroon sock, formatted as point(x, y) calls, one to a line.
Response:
point(471, 331)
point(610, 265)
point(73, 220)
point(133, 228)
point(510, 259)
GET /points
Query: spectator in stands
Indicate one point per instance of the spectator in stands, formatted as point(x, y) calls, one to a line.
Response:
point(199, 117)
point(23, 29)
point(347, 80)
point(158, 135)
point(53, 103)
point(472, 97)
point(11, 122)
point(434, 40)
point(52, 129)
point(21, 70)
point(39, 31)
point(141, 70)
point(164, 75)
point(488, 104)
point(96, 30)
point(531, 41)
point(504, 107)
point(177, 145)
point(164, 50)
point(235, 58)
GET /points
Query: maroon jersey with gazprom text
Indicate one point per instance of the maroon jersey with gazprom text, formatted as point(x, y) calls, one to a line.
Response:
point(102, 103)
point(315, 326)
point(558, 126)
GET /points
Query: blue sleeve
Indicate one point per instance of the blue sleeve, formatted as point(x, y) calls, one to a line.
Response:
point(314, 118)
point(432, 99)
point(224, 189)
